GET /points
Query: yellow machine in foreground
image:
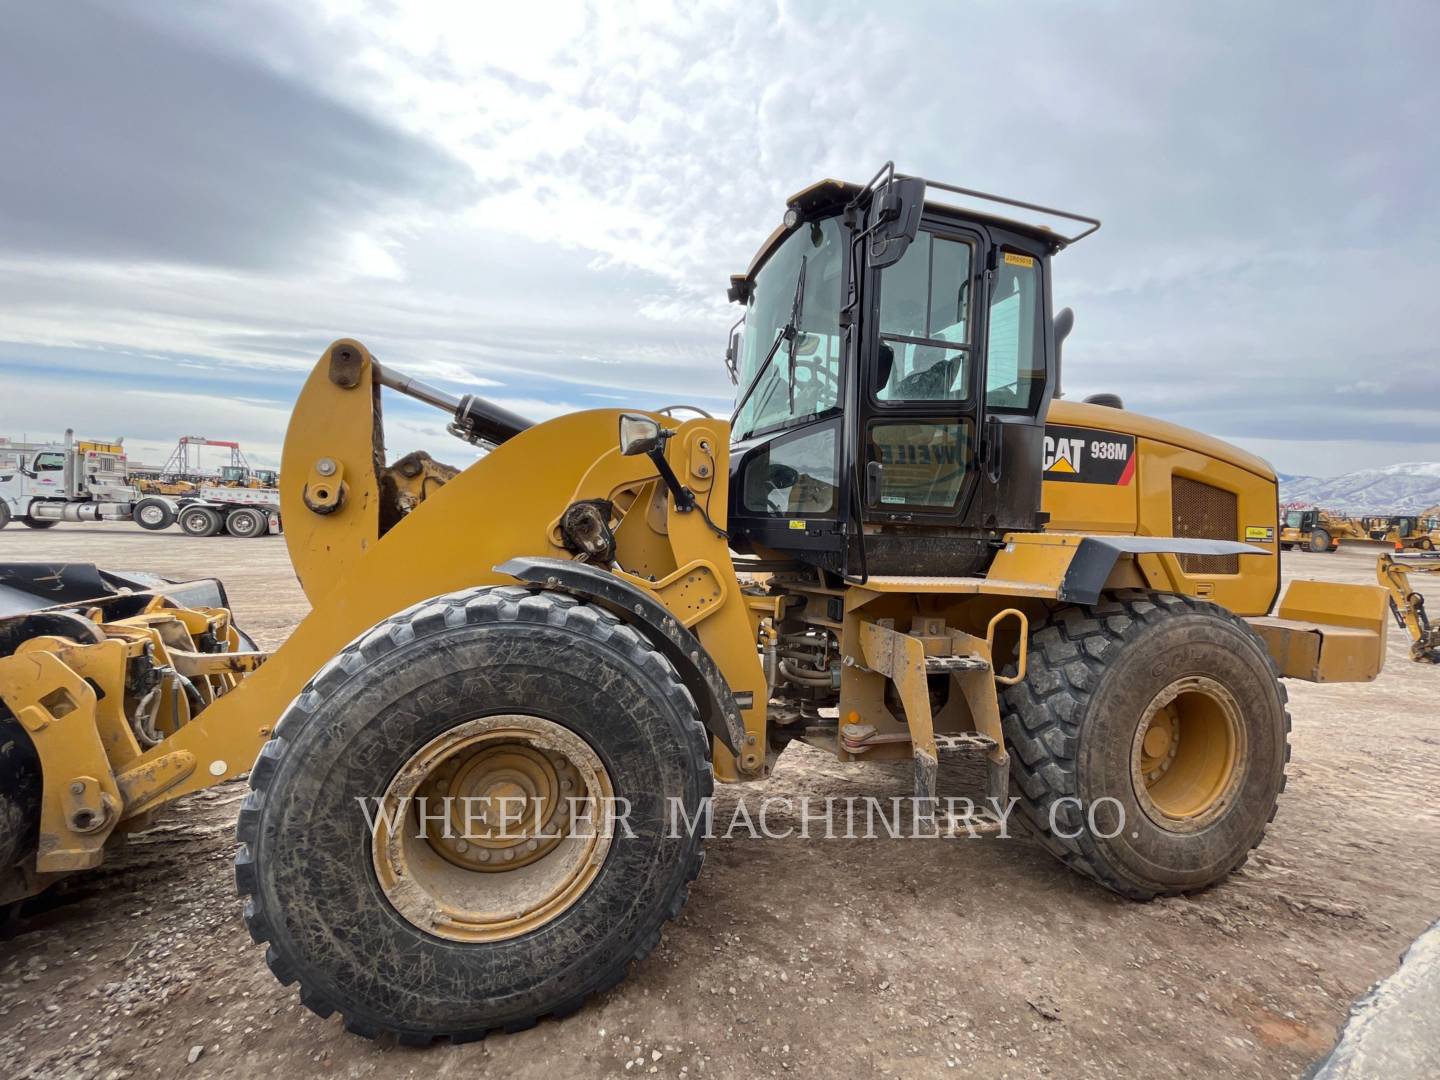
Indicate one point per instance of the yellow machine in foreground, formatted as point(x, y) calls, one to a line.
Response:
point(485, 756)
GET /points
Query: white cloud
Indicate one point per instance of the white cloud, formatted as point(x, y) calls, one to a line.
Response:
point(1269, 249)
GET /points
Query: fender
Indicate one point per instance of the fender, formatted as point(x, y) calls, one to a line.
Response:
point(1096, 556)
point(718, 708)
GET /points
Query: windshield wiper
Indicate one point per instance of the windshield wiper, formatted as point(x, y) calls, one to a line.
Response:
point(795, 309)
point(788, 332)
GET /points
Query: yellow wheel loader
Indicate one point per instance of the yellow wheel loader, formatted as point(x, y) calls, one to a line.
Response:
point(1308, 530)
point(480, 767)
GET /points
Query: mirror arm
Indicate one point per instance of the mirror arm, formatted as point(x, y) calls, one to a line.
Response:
point(683, 496)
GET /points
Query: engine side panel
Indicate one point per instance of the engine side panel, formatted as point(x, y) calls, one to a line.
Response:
point(1114, 472)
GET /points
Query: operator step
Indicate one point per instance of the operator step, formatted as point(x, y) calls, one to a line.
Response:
point(942, 664)
point(963, 742)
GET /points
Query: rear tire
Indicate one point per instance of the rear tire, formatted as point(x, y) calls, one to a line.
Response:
point(1319, 541)
point(246, 522)
point(4, 513)
point(200, 521)
point(153, 514)
point(1078, 728)
point(482, 654)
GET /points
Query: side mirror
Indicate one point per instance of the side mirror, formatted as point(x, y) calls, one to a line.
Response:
point(638, 434)
point(732, 359)
point(893, 221)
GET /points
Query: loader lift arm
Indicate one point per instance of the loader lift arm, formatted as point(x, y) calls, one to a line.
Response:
point(1407, 605)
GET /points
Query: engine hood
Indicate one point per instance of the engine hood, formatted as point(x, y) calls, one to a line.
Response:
point(1122, 421)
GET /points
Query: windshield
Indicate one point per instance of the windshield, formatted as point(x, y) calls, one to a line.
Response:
point(807, 383)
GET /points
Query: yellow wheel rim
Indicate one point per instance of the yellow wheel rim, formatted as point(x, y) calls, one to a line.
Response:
point(493, 828)
point(1188, 754)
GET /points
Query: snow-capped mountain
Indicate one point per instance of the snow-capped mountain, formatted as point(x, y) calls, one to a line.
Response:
point(1407, 488)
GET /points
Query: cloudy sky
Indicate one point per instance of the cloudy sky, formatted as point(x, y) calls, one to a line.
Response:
point(546, 203)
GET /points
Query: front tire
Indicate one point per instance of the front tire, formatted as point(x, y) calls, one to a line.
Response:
point(476, 661)
point(153, 514)
point(21, 783)
point(1157, 718)
point(1320, 541)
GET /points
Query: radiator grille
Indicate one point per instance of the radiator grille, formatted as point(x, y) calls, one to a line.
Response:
point(1204, 512)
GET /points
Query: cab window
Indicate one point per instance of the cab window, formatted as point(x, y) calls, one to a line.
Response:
point(49, 462)
point(925, 345)
point(1015, 360)
point(796, 379)
point(794, 474)
point(921, 463)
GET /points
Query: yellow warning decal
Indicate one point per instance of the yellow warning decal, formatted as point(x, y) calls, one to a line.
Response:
point(1263, 533)
point(797, 524)
point(1019, 260)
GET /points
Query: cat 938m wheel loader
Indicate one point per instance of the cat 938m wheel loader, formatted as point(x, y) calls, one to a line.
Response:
point(902, 546)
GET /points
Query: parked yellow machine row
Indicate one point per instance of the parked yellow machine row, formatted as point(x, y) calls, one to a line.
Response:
point(1322, 531)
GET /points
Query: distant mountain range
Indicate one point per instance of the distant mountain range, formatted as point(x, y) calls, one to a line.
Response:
point(1407, 488)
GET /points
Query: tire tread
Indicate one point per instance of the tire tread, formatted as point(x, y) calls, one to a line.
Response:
point(484, 604)
point(1041, 716)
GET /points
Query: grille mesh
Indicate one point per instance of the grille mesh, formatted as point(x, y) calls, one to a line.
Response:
point(1203, 512)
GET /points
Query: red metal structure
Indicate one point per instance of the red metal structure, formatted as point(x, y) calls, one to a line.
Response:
point(180, 465)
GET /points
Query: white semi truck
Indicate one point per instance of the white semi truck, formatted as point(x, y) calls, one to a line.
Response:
point(44, 483)
point(84, 480)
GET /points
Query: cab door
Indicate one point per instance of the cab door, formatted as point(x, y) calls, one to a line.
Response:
point(921, 402)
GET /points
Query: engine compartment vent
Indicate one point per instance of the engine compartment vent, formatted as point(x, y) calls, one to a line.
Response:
point(1202, 511)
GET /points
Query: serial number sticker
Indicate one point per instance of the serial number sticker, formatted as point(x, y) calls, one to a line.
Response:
point(1019, 260)
point(1263, 533)
point(797, 525)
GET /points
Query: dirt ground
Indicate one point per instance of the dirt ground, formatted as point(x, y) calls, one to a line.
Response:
point(795, 958)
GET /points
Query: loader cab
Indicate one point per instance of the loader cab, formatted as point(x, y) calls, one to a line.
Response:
point(1301, 520)
point(893, 365)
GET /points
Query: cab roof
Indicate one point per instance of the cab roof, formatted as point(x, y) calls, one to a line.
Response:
point(830, 195)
